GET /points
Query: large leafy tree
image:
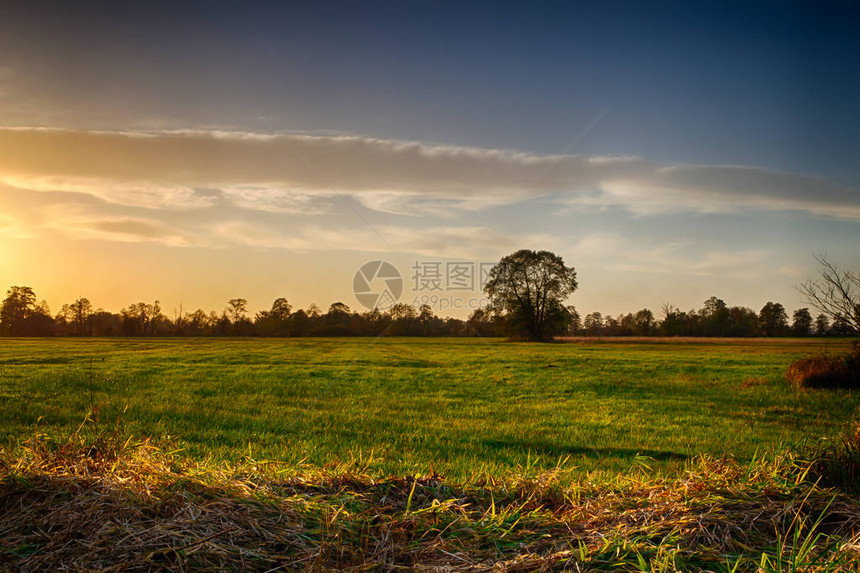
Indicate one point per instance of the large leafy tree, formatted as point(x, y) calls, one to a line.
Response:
point(529, 289)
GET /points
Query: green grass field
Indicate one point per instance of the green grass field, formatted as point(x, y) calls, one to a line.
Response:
point(461, 407)
point(421, 454)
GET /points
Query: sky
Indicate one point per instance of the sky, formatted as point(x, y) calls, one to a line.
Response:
point(194, 153)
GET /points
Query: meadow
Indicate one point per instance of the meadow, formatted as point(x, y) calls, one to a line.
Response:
point(422, 454)
point(459, 407)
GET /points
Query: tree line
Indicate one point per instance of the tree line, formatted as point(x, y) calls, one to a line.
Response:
point(714, 319)
point(22, 315)
point(526, 293)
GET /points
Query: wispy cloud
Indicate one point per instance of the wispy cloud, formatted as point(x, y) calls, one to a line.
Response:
point(271, 198)
point(448, 242)
point(726, 189)
point(167, 170)
point(139, 193)
point(80, 222)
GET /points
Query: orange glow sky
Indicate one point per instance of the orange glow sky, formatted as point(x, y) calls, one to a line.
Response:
point(198, 155)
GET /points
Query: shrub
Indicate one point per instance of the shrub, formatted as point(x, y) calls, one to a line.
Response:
point(826, 371)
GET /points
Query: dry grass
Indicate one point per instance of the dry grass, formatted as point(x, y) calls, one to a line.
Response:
point(752, 381)
point(823, 371)
point(837, 461)
point(104, 504)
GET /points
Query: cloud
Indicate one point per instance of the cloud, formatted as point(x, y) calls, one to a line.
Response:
point(727, 189)
point(120, 229)
point(284, 174)
point(29, 214)
point(615, 252)
point(272, 199)
point(604, 249)
point(242, 190)
point(451, 242)
point(128, 193)
point(414, 204)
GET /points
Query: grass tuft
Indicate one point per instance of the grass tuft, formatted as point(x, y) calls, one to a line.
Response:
point(108, 503)
point(837, 461)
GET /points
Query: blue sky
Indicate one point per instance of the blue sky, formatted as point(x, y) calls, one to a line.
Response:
point(669, 151)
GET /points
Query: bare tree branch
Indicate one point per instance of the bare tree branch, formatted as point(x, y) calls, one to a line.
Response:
point(835, 293)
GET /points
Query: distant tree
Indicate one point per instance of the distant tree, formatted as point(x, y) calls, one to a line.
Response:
point(300, 323)
point(141, 319)
point(692, 324)
point(43, 308)
point(264, 325)
point(199, 323)
point(221, 324)
point(529, 289)
point(611, 326)
point(81, 310)
point(281, 309)
point(643, 323)
point(336, 322)
point(593, 324)
point(669, 325)
point(236, 315)
point(822, 325)
point(841, 327)
point(217, 324)
point(376, 322)
point(338, 309)
point(275, 321)
point(455, 327)
point(773, 319)
point(20, 315)
point(403, 317)
point(64, 318)
point(17, 307)
point(836, 294)
point(425, 313)
point(626, 324)
point(237, 309)
point(481, 323)
point(134, 319)
point(743, 322)
point(575, 321)
point(714, 317)
point(104, 323)
point(801, 322)
point(157, 321)
point(428, 323)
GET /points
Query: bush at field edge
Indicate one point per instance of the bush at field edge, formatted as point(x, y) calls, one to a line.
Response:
point(826, 371)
